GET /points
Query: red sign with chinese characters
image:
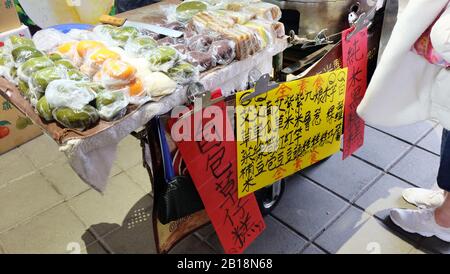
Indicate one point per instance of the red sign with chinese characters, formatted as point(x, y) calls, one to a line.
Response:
point(354, 56)
point(212, 165)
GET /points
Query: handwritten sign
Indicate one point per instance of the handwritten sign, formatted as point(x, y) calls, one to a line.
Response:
point(289, 128)
point(354, 52)
point(212, 165)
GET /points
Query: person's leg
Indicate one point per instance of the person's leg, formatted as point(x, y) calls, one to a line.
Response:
point(442, 213)
point(432, 221)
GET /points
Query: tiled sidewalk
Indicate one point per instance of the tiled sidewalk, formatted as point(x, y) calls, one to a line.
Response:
point(334, 207)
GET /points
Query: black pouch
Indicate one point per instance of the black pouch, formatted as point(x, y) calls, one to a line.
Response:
point(178, 196)
point(178, 200)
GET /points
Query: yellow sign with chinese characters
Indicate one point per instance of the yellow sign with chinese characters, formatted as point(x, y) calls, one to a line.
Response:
point(288, 128)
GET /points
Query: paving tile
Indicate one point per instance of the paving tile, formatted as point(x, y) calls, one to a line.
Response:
point(25, 198)
point(411, 133)
point(204, 232)
point(14, 165)
point(140, 176)
point(432, 142)
point(381, 149)
point(417, 251)
point(192, 245)
point(346, 178)
point(276, 239)
point(129, 153)
point(110, 209)
point(64, 179)
point(385, 194)
point(313, 249)
point(135, 235)
point(94, 248)
point(42, 151)
point(306, 207)
point(435, 245)
point(115, 170)
point(418, 167)
point(334, 237)
point(51, 232)
point(374, 238)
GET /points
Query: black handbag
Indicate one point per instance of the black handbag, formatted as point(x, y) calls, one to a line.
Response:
point(179, 197)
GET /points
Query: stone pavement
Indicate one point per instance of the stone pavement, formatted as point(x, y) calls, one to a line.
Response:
point(333, 207)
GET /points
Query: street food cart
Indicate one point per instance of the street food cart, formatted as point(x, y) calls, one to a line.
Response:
point(248, 41)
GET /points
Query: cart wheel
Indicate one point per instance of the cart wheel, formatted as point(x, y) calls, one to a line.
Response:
point(269, 197)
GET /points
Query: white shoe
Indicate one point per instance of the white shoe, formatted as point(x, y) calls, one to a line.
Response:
point(420, 221)
point(424, 198)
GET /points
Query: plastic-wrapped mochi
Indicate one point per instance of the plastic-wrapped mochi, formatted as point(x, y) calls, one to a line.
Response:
point(79, 119)
point(69, 93)
point(162, 58)
point(25, 70)
point(111, 105)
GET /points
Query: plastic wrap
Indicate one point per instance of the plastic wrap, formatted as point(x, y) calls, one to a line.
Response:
point(266, 11)
point(115, 74)
point(264, 30)
point(64, 63)
point(162, 58)
point(77, 75)
point(202, 60)
point(40, 79)
point(69, 93)
point(158, 84)
point(183, 73)
point(200, 42)
point(79, 119)
point(23, 53)
point(6, 65)
point(69, 50)
point(44, 110)
point(78, 34)
point(136, 47)
point(95, 60)
point(181, 48)
point(279, 29)
point(246, 39)
point(15, 41)
point(175, 26)
point(32, 65)
point(122, 34)
point(111, 105)
point(223, 51)
point(186, 10)
point(216, 21)
point(49, 39)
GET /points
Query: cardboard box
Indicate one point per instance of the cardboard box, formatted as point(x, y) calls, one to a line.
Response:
point(22, 31)
point(15, 128)
point(9, 19)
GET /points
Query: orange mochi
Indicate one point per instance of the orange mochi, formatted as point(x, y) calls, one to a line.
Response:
point(85, 46)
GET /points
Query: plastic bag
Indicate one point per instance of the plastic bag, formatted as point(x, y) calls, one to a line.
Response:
point(202, 60)
point(69, 50)
point(264, 30)
point(25, 70)
point(111, 105)
point(24, 53)
point(223, 51)
point(246, 39)
point(137, 46)
point(158, 84)
point(69, 93)
point(266, 11)
point(6, 66)
point(199, 42)
point(40, 79)
point(186, 10)
point(44, 110)
point(95, 60)
point(162, 58)
point(49, 39)
point(79, 119)
point(183, 73)
point(15, 41)
point(115, 74)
